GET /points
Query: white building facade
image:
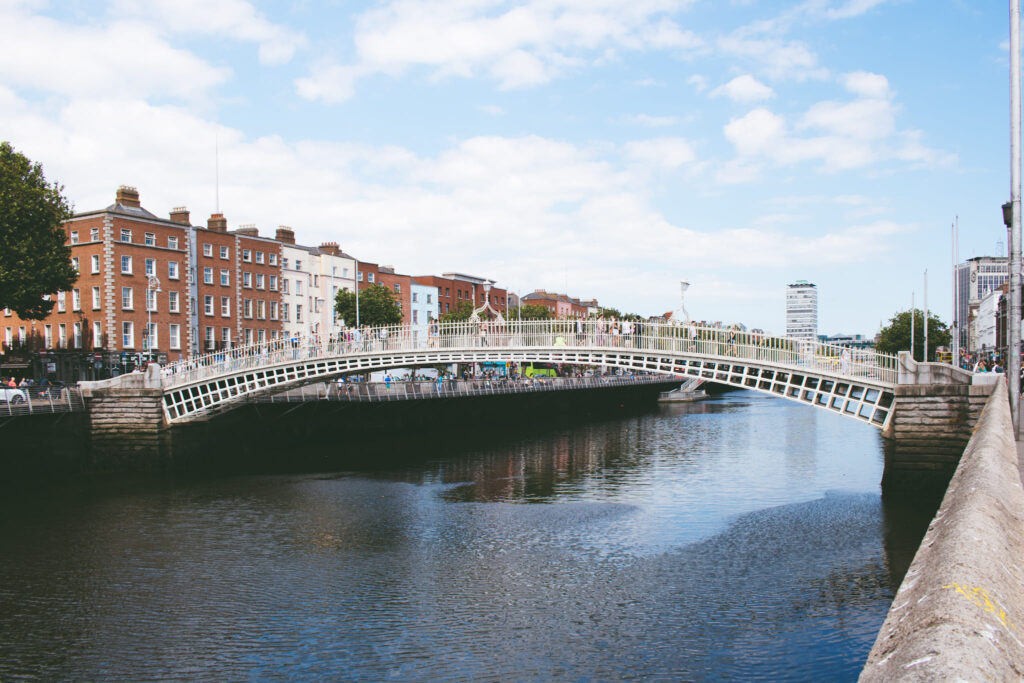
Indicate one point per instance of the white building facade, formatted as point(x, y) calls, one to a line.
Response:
point(976, 278)
point(423, 309)
point(336, 273)
point(802, 311)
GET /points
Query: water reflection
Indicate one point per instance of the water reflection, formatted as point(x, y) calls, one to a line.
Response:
point(686, 543)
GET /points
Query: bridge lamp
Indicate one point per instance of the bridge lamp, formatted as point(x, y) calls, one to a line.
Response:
point(152, 286)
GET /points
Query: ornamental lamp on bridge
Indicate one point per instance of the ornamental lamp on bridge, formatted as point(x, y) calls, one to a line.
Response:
point(681, 317)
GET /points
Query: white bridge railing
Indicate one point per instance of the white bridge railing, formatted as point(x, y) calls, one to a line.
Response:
point(597, 335)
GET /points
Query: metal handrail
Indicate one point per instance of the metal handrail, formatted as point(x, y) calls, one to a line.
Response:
point(37, 400)
point(711, 343)
point(454, 388)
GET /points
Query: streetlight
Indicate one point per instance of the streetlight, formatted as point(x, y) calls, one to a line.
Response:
point(152, 288)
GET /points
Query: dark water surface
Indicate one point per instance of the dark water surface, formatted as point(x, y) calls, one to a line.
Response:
point(737, 539)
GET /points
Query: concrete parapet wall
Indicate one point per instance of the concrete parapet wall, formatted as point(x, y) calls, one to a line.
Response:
point(959, 614)
point(126, 420)
point(909, 371)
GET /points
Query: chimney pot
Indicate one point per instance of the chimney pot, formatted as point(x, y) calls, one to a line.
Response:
point(179, 214)
point(128, 196)
point(217, 223)
point(249, 230)
point(285, 235)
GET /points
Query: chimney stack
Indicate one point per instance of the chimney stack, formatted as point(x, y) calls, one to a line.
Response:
point(128, 196)
point(285, 235)
point(331, 248)
point(217, 222)
point(249, 230)
point(179, 214)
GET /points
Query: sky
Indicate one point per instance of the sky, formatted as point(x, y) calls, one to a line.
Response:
point(603, 148)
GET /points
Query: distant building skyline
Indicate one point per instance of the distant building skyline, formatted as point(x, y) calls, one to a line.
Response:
point(802, 310)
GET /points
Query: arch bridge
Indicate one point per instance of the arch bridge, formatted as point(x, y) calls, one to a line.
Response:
point(854, 383)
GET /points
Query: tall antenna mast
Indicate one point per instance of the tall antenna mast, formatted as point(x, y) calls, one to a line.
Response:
point(216, 166)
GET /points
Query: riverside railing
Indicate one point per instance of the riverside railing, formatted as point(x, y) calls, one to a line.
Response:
point(451, 388)
point(711, 343)
point(40, 400)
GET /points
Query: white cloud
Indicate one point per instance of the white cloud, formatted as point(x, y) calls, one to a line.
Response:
point(120, 57)
point(757, 132)
point(744, 89)
point(867, 84)
point(664, 152)
point(852, 8)
point(776, 58)
point(698, 82)
point(236, 19)
point(521, 46)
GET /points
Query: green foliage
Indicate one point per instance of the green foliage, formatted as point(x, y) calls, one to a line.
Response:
point(35, 258)
point(608, 313)
point(530, 312)
point(377, 307)
point(459, 314)
point(895, 336)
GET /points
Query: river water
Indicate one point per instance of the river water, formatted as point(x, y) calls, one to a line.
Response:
point(742, 538)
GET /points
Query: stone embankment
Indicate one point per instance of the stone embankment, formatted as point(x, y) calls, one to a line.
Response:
point(126, 420)
point(959, 614)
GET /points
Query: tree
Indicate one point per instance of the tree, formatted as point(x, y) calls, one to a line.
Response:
point(377, 307)
point(35, 259)
point(895, 336)
point(530, 312)
point(459, 314)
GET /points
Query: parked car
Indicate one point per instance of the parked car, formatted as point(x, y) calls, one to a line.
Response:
point(12, 396)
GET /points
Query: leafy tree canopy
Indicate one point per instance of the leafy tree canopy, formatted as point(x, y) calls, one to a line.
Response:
point(35, 258)
point(377, 307)
point(530, 312)
point(895, 336)
point(459, 314)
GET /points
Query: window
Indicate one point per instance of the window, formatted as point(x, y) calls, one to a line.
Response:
point(247, 280)
point(207, 250)
point(94, 234)
point(298, 264)
point(208, 335)
point(62, 335)
point(172, 242)
point(272, 259)
point(208, 304)
point(262, 335)
point(247, 256)
point(128, 335)
point(174, 336)
point(95, 261)
point(126, 235)
point(225, 278)
point(76, 335)
point(344, 272)
point(95, 298)
point(261, 309)
point(225, 253)
point(260, 281)
point(284, 313)
point(447, 292)
point(60, 302)
point(150, 239)
point(47, 336)
point(247, 308)
point(274, 310)
point(76, 300)
point(225, 307)
point(225, 336)
point(7, 312)
point(150, 266)
point(126, 265)
point(127, 299)
point(428, 298)
point(97, 335)
point(8, 340)
point(172, 270)
point(398, 288)
point(152, 342)
point(74, 263)
point(415, 316)
point(74, 237)
point(172, 302)
point(298, 313)
point(360, 278)
point(415, 296)
point(284, 263)
point(151, 299)
point(207, 276)
point(259, 257)
point(273, 283)
point(248, 335)
point(447, 307)
point(298, 287)
point(284, 285)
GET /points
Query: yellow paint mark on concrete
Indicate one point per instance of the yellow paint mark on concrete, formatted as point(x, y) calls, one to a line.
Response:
point(980, 597)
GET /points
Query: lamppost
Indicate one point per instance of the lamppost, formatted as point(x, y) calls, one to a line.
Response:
point(152, 288)
point(681, 317)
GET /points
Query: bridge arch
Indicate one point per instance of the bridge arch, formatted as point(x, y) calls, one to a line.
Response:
point(800, 373)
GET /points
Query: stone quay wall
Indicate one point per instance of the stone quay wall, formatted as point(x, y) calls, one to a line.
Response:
point(933, 423)
point(959, 613)
point(126, 421)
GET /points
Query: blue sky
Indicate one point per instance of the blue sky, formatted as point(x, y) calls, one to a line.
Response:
point(608, 148)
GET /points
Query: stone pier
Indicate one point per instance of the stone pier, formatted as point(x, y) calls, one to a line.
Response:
point(126, 421)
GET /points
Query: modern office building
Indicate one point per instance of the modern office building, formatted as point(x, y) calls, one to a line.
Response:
point(976, 278)
point(802, 310)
